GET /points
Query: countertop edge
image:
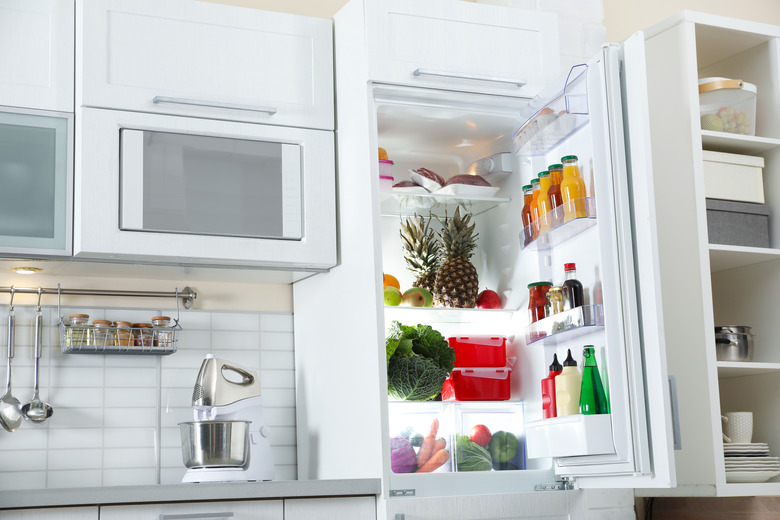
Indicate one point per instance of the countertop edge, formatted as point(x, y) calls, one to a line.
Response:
point(94, 496)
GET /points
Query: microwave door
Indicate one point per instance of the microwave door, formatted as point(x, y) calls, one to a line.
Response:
point(204, 185)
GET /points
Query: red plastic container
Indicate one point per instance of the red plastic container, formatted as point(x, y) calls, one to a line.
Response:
point(479, 351)
point(478, 384)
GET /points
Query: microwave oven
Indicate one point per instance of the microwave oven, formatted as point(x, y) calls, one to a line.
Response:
point(184, 190)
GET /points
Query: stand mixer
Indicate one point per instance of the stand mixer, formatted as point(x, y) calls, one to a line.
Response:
point(228, 439)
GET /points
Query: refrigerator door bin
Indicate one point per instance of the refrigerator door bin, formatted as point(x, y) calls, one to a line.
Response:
point(569, 436)
point(560, 231)
point(567, 324)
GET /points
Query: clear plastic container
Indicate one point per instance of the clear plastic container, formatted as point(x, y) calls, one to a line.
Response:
point(727, 105)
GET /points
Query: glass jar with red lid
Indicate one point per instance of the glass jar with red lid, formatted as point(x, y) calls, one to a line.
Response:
point(537, 299)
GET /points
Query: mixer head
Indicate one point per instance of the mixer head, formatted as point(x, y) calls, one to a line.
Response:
point(212, 388)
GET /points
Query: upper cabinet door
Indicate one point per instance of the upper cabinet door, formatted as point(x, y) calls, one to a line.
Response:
point(207, 60)
point(452, 45)
point(36, 54)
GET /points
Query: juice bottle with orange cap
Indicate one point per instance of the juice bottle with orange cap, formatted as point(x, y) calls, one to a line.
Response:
point(572, 190)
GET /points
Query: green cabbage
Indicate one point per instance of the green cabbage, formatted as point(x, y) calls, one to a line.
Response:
point(471, 456)
point(419, 359)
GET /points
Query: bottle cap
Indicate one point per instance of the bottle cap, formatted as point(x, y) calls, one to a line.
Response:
point(535, 181)
point(556, 365)
point(527, 187)
point(569, 361)
point(568, 158)
point(555, 167)
point(570, 267)
point(543, 174)
point(588, 351)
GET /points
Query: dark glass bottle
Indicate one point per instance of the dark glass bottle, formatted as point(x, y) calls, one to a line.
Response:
point(573, 294)
point(593, 399)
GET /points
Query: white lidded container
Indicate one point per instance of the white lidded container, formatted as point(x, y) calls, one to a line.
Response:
point(730, 176)
point(727, 105)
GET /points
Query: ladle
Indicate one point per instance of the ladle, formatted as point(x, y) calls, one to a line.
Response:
point(36, 410)
point(10, 407)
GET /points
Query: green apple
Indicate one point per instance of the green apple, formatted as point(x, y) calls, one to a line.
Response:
point(392, 296)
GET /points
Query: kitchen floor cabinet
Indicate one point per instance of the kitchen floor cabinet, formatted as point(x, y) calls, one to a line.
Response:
point(714, 284)
point(205, 60)
point(61, 513)
point(239, 510)
point(355, 508)
point(36, 54)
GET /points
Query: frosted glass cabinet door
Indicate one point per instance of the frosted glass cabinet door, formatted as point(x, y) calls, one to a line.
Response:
point(35, 183)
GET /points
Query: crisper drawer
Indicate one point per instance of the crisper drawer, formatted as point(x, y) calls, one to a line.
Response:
point(248, 510)
point(206, 60)
point(462, 46)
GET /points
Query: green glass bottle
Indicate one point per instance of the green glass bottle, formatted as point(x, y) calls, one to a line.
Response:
point(593, 399)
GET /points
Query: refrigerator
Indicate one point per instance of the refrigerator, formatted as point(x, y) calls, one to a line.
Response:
point(601, 116)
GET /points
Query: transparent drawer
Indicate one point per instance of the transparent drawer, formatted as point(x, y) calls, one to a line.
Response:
point(420, 437)
point(489, 437)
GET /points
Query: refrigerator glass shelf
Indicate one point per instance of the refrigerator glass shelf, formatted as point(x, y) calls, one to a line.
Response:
point(405, 203)
point(560, 231)
point(566, 324)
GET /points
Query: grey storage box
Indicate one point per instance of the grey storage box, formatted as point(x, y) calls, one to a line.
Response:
point(737, 223)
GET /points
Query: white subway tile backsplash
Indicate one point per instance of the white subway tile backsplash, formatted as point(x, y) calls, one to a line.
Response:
point(116, 416)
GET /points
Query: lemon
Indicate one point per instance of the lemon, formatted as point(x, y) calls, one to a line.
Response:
point(392, 296)
point(711, 122)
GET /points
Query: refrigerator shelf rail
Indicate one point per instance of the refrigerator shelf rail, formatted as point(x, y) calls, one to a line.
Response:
point(554, 114)
point(404, 203)
point(559, 230)
point(567, 324)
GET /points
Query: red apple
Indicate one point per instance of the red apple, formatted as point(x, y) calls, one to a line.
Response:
point(488, 299)
point(481, 435)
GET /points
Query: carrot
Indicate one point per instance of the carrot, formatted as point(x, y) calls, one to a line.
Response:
point(440, 444)
point(426, 448)
point(436, 461)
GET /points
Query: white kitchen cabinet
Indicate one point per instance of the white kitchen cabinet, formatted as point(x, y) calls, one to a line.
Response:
point(459, 45)
point(237, 510)
point(714, 284)
point(205, 60)
point(59, 513)
point(343, 508)
point(36, 54)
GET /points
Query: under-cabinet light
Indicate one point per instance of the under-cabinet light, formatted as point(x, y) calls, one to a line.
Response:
point(26, 270)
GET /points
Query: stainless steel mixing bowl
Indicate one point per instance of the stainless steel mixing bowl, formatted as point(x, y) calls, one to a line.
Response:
point(214, 444)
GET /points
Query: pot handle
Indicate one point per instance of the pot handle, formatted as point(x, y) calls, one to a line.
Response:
point(726, 341)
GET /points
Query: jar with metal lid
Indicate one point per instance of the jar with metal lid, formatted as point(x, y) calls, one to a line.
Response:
point(124, 334)
point(79, 334)
point(144, 336)
point(555, 299)
point(104, 333)
point(537, 300)
point(163, 333)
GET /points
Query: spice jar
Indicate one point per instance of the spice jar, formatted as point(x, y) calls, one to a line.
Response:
point(104, 333)
point(537, 299)
point(80, 332)
point(555, 299)
point(163, 334)
point(144, 336)
point(124, 334)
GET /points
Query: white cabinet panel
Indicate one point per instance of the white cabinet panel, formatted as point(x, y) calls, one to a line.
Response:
point(452, 45)
point(206, 60)
point(356, 508)
point(247, 510)
point(36, 54)
point(64, 513)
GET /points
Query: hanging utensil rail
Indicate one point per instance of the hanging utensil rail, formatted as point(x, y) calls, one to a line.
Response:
point(187, 295)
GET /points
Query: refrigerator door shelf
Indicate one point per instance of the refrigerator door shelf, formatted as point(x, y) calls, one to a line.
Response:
point(566, 325)
point(569, 436)
point(560, 231)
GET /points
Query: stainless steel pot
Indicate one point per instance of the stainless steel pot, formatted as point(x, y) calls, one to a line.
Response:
point(214, 444)
point(733, 343)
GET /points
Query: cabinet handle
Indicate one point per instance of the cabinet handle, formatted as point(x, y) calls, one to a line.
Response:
point(675, 412)
point(491, 79)
point(189, 516)
point(213, 104)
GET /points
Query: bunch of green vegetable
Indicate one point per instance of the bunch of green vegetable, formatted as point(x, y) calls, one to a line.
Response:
point(419, 359)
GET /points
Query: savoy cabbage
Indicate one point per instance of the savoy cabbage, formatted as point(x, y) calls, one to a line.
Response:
point(419, 359)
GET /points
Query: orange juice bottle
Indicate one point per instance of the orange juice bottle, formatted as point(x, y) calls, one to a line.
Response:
point(525, 214)
point(535, 207)
point(572, 190)
point(544, 202)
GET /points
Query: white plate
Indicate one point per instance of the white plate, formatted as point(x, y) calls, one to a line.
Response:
point(750, 476)
point(409, 190)
point(425, 182)
point(467, 190)
point(744, 444)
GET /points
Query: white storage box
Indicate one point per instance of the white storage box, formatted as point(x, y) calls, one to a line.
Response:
point(727, 105)
point(729, 176)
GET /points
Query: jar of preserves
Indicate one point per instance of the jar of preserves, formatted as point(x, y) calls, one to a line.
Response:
point(104, 333)
point(163, 333)
point(555, 299)
point(79, 334)
point(537, 300)
point(143, 334)
point(124, 334)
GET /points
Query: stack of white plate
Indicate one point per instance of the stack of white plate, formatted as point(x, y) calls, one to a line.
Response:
point(749, 462)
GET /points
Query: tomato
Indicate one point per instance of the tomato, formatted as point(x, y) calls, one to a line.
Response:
point(480, 435)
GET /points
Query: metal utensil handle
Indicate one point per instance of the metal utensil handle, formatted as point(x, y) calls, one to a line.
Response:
point(491, 79)
point(11, 323)
point(213, 104)
point(38, 334)
point(189, 516)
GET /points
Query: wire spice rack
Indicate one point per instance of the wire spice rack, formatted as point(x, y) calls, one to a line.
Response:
point(83, 338)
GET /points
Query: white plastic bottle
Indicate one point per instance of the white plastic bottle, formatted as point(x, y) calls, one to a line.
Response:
point(567, 388)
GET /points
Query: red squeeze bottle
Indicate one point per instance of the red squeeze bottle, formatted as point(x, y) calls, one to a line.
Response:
point(549, 405)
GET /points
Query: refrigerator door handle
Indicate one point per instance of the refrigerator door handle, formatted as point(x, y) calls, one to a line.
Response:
point(460, 75)
point(676, 435)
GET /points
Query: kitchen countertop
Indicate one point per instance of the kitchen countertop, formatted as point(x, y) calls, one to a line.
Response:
point(188, 492)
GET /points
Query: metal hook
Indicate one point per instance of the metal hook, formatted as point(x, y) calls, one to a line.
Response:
point(40, 292)
point(11, 305)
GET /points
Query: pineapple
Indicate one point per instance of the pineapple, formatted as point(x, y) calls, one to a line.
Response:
point(456, 280)
point(421, 251)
